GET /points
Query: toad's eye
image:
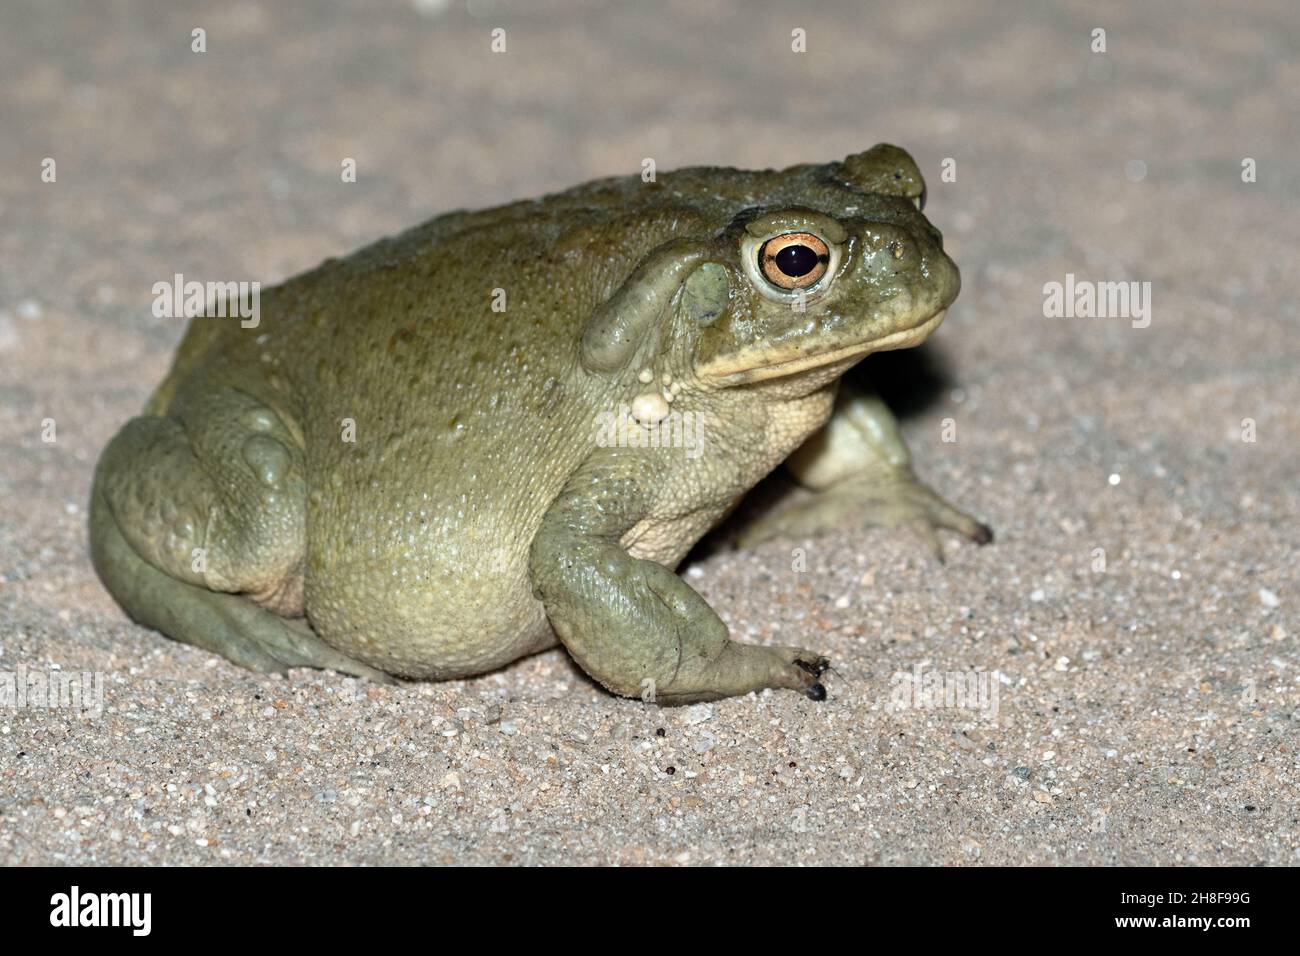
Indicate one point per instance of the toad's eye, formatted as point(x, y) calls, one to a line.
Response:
point(795, 260)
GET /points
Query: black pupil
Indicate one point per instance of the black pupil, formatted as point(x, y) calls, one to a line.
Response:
point(796, 261)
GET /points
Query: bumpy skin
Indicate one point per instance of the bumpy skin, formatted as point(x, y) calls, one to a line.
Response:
point(422, 474)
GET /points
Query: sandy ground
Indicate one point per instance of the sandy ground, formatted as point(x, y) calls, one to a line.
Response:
point(1139, 607)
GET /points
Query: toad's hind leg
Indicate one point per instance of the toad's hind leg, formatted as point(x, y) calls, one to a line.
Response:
point(197, 529)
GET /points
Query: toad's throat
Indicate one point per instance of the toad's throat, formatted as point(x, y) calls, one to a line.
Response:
point(757, 365)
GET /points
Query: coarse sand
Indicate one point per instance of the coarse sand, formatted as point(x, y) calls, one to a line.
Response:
point(1131, 634)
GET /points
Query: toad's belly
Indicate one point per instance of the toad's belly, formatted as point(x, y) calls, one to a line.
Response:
point(421, 621)
point(427, 582)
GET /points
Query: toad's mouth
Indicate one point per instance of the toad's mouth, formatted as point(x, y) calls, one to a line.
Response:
point(757, 365)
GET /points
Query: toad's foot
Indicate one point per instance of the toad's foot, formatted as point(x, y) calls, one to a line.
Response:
point(888, 501)
point(863, 473)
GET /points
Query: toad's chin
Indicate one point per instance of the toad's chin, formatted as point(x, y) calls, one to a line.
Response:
point(752, 365)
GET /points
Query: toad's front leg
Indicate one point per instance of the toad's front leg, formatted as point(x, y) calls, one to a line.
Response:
point(863, 474)
point(633, 624)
